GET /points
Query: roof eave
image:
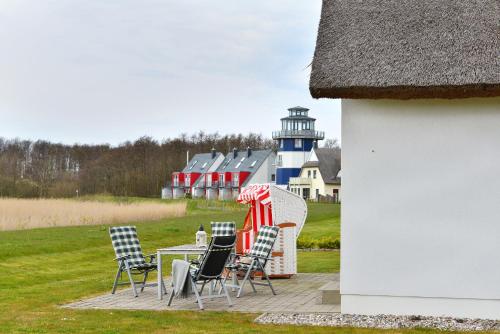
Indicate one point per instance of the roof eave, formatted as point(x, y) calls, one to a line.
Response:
point(407, 92)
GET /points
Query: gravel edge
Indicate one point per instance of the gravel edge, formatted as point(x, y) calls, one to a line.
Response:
point(379, 321)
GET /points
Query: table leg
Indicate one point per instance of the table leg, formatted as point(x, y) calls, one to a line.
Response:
point(160, 275)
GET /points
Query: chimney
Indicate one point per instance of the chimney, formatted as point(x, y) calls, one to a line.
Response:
point(235, 153)
point(213, 152)
point(249, 151)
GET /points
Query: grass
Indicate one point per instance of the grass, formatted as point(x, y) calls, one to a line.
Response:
point(42, 269)
point(18, 214)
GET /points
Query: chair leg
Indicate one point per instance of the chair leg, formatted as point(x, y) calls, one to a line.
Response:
point(250, 280)
point(118, 275)
point(226, 293)
point(132, 281)
point(171, 297)
point(163, 286)
point(203, 286)
point(247, 275)
point(267, 279)
point(144, 281)
point(197, 294)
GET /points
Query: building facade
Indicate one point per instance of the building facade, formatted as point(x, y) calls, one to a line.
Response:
point(238, 169)
point(319, 178)
point(191, 180)
point(416, 95)
point(295, 140)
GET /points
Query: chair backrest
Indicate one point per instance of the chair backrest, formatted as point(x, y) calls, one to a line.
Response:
point(264, 243)
point(126, 243)
point(223, 229)
point(215, 257)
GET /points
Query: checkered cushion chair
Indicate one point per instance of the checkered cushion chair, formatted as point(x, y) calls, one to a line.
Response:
point(256, 259)
point(223, 229)
point(130, 257)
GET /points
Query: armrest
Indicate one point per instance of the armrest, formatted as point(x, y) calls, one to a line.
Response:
point(121, 257)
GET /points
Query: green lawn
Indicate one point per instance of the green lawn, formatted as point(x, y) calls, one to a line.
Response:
point(44, 268)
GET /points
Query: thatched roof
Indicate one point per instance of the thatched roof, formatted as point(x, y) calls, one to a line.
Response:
point(404, 49)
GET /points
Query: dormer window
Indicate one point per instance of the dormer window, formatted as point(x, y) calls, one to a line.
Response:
point(194, 163)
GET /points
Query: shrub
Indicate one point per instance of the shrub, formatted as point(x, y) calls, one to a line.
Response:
point(306, 242)
point(329, 243)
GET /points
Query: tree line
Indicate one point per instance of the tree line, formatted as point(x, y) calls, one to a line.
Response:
point(140, 168)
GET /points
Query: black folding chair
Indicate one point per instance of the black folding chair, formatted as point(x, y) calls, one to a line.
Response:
point(210, 269)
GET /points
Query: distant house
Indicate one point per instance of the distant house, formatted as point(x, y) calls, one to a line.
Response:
point(238, 169)
point(420, 89)
point(319, 176)
point(191, 180)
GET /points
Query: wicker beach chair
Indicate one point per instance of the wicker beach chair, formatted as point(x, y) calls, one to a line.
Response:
point(210, 269)
point(256, 260)
point(130, 258)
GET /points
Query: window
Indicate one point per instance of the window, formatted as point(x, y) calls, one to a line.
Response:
point(273, 177)
point(314, 174)
point(187, 182)
point(253, 164)
point(236, 179)
point(227, 163)
point(221, 179)
point(194, 163)
point(282, 143)
point(298, 143)
point(279, 160)
point(209, 180)
point(309, 174)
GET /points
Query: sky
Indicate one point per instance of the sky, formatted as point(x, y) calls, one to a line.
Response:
point(108, 71)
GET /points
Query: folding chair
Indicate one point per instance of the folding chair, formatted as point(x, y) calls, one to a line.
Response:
point(210, 269)
point(258, 257)
point(222, 229)
point(130, 258)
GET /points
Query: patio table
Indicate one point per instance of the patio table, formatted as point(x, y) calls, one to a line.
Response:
point(185, 250)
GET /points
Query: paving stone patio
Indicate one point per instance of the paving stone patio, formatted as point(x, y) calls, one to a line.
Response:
point(298, 294)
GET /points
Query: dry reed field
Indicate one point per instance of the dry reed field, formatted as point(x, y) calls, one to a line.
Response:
point(17, 214)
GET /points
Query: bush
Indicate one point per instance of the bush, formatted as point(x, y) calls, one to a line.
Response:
point(306, 242)
point(329, 243)
point(323, 243)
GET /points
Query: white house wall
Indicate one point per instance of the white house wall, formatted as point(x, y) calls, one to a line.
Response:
point(263, 174)
point(421, 207)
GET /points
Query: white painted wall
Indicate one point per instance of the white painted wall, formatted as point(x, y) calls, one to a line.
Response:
point(421, 207)
point(265, 171)
point(293, 159)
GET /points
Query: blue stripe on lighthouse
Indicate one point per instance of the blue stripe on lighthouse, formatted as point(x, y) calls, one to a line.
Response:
point(289, 145)
point(284, 174)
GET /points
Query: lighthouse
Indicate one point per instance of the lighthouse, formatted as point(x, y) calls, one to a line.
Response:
point(295, 140)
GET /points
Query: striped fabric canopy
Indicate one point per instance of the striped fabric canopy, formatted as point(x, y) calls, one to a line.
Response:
point(259, 198)
point(255, 192)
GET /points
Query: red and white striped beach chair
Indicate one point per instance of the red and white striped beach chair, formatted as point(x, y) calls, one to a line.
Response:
point(271, 205)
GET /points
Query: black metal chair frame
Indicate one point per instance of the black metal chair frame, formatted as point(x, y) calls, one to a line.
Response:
point(211, 269)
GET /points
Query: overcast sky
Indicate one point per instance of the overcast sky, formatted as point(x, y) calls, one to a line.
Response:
point(96, 71)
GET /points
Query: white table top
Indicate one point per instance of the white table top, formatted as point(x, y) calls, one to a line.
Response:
point(183, 249)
